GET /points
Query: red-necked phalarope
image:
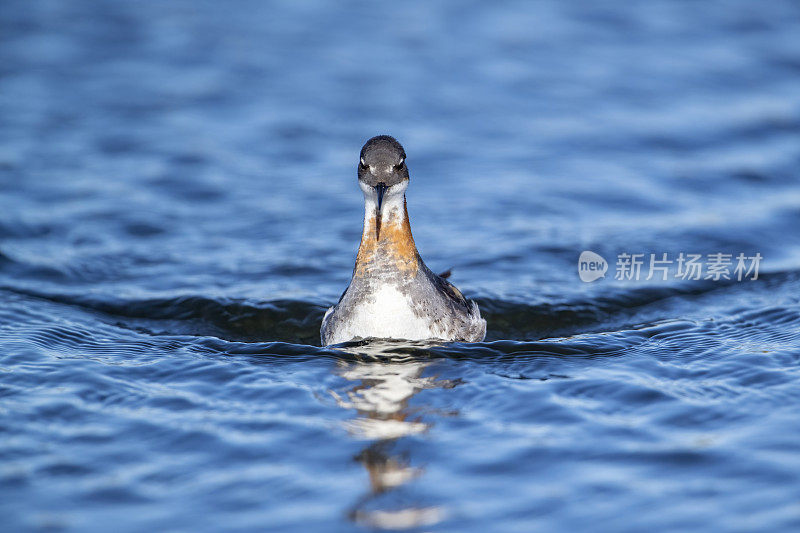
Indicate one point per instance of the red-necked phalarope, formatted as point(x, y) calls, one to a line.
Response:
point(392, 294)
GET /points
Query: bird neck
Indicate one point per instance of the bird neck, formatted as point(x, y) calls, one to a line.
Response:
point(386, 240)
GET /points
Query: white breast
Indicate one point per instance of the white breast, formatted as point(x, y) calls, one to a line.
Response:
point(387, 314)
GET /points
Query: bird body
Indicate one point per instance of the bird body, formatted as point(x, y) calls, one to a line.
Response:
point(393, 294)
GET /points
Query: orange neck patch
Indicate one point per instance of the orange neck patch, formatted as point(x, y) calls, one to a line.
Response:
point(393, 247)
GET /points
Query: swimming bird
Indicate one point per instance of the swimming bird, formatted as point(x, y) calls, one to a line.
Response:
point(393, 294)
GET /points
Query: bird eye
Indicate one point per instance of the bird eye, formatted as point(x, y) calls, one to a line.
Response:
point(399, 166)
point(363, 164)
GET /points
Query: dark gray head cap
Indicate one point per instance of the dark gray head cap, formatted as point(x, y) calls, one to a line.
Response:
point(382, 161)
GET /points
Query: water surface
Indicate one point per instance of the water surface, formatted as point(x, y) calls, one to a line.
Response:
point(179, 207)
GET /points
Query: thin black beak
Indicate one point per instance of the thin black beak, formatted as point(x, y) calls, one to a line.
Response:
point(380, 189)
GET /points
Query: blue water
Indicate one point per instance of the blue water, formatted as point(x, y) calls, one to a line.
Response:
point(179, 206)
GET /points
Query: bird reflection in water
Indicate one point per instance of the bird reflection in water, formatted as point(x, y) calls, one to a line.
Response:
point(385, 382)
